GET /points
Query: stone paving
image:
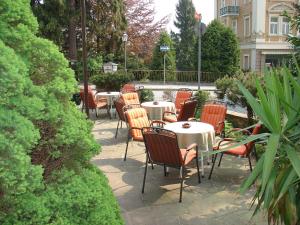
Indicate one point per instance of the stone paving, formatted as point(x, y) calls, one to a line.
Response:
point(212, 202)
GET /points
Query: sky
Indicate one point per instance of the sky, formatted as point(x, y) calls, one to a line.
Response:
point(168, 8)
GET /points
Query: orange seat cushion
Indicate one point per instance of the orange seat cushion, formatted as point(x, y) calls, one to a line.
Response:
point(130, 98)
point(190, 156)
point(181, 97)
point(237, 151)
point(214, 114)
point(137, 117)
point(170, 118)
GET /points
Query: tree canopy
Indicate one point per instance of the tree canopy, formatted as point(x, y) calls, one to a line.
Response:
point(220, 49)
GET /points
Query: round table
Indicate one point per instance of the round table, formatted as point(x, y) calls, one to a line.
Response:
point(155, 111)
point(200, 133)
point(109, 96)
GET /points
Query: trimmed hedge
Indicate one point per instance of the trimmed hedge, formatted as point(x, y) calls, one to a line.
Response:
point(45, 142)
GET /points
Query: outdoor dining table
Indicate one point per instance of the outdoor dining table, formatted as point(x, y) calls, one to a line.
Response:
point(110, 96)
point(155, 110)
point(202, 134)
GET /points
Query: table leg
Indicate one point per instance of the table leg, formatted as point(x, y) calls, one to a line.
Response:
point(202, 164)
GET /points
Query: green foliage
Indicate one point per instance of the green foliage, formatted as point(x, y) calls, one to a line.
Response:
point(277, 173)
point(46, 142)
point(201, 97)
point(220, 49)
point(111, 81)
point(186, 51)
point(158, 56)
point(228, 85)
point(94, 65)
point(146, 95)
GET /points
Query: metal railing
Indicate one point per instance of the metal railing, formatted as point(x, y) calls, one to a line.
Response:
point(232, 10)
point(175, 76)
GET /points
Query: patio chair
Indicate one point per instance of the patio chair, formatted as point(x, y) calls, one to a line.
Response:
point(94, 103)
point(137, 118)
point(130, 87)
point(214, 114)
point(162, 149)
point(242, 151)
point(182, 95)
point(120, 108)
point(131, 98)
point(187, 111)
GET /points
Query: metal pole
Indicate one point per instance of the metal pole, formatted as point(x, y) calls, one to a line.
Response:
point(164, 68)
point(84, 57)
point(125, 56)
point(199, 54)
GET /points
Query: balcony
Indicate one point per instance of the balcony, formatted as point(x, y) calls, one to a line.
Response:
point(231, 10)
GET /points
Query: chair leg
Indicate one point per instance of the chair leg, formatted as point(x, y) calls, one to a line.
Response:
point(255, 153)
point(250, 164)
point(145, 173)
point(213, 165)
point(97, 112)
point(165, 170)
point(117, 129)
point(198, 171)
point(121, 123)
point(126, 148)
point(181, 182)
point(220, 160)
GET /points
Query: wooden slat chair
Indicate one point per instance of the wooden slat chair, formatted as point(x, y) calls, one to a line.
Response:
point(182, 95)
point(137, 118)
point(187, 111)
point(242, 151)
point(94, 103)
point(162, 149)
point(120, 109)
point(215, 114)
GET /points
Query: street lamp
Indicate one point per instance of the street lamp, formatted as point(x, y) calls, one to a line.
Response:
point(124, 39)
point(164, 49)
point(200, 31)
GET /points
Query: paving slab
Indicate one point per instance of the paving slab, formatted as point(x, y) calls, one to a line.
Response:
point(215, 201)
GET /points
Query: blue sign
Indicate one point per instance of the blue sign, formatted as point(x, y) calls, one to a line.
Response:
point(164, 48)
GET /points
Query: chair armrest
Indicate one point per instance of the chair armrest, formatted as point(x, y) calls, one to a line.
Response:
point(192, 146)
point(247, 132)
point(135, 128)
point(193, 119)
point(225, 139)
point(168, 112)
point(159, 122)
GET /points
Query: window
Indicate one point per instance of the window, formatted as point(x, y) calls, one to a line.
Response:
point(234, 26)
point(222, 3)
point(274, 25)
point(234, 2)
point(246, 62)
point(247, 26)
point(285, 26)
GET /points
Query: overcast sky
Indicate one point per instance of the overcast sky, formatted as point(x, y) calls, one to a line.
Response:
point(168, 7)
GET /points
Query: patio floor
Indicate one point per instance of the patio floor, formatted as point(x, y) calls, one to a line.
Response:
point(212, 202)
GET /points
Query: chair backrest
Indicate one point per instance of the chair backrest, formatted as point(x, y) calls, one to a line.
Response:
point(128, 88)
point(214, 114)
point(182, 95)
point(137, 117)
point(91, 99)
point(162, 146)
point(119, 105)
point(187, 111)
point(130, 98)
point(255, 131)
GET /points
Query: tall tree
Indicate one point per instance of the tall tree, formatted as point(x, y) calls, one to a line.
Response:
point(220, 49)
point(185, 22)
point(157, 60)
point(142, 30)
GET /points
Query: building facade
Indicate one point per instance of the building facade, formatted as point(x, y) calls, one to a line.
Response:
point(261, 29)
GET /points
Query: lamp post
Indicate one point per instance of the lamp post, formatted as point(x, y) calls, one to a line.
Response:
point(164, 49)
point(200, 31)
point(124, 39)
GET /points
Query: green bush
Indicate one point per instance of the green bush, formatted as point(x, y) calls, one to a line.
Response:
point(46, 142)
point(111, 81)
point(146, 95)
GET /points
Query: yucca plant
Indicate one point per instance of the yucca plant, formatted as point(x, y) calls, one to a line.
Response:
point(277, 173)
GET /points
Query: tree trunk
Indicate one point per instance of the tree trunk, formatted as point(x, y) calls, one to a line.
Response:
point(72, 32)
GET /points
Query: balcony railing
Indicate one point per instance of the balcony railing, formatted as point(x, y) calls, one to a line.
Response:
point(231, 10)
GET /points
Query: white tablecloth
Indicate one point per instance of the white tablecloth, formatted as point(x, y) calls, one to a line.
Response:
point(155, 112)
point(201, 133)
